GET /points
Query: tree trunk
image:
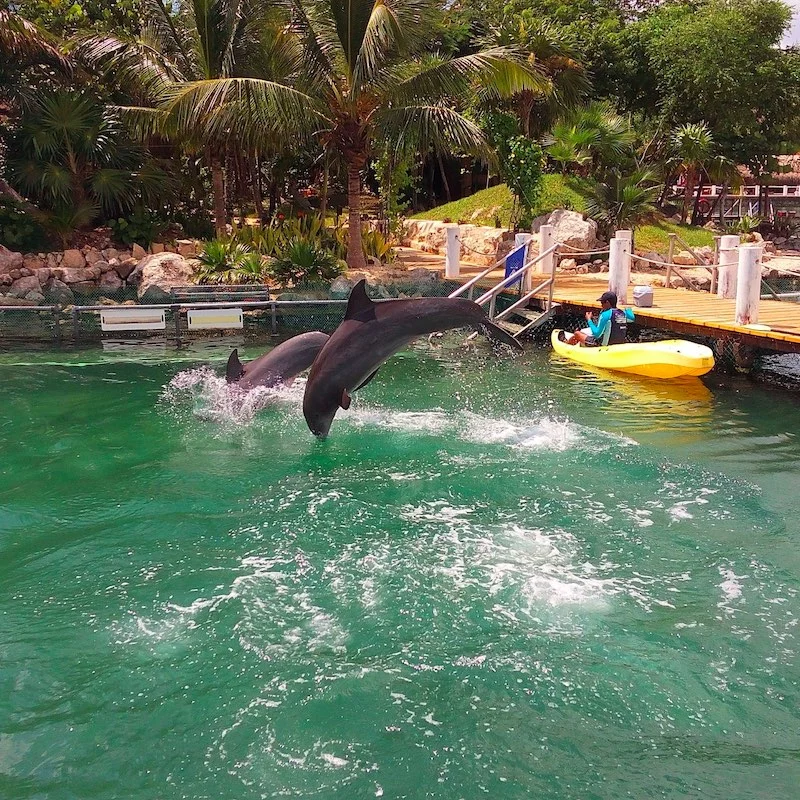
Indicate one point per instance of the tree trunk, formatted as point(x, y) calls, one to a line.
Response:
point(722, 198)
point(688, 192)
point(218, 183)
point(696, 204)
point(255, 179)
point(355, 251)
point(9, 191)
point(446, 183)
point(323, 198)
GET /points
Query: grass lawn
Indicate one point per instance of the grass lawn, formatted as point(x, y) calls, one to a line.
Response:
point(655, 236)
point(559, 191)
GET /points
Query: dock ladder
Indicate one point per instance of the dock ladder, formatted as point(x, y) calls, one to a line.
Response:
point(528, 318)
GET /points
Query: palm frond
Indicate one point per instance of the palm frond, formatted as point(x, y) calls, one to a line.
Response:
point(252, 109)
point(497, 72)
point(22, 43)
point(424, 127)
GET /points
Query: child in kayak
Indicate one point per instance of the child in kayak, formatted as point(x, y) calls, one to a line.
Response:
point(611, 326)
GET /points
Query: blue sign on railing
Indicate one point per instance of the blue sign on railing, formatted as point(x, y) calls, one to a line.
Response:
point(515, 260)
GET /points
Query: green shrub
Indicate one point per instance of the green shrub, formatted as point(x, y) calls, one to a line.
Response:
point(19, 230)
point(140, 227)
point(376, 245)
point(302, 260)
point(228, 261)
point(196, 223)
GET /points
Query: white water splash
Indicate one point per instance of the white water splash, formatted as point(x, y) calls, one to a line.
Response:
point(210, 397)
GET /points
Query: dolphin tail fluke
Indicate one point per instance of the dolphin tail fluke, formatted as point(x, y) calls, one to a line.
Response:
point(499, 336)
point(235, 369)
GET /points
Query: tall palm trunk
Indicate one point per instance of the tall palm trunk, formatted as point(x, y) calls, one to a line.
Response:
point(443, 173)
point(688, 192)
point(323, 197)
point(255, 180)
point(218, 183)
point(355, 250)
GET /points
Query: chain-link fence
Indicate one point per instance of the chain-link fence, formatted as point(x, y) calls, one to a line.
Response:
point(301, 309)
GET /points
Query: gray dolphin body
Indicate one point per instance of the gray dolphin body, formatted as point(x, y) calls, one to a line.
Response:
point(279, 365)
point(369, 335)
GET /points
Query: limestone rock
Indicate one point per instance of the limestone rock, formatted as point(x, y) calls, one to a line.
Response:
point(160, 273)
point(110, 280)
point(54, 260)
point(422, 275)
point(125, 268)
point(103, 266)
point(122, 255)
point(567, 264)
point(43, 275)
point(23, 285)
point(156, 247)
point(110, 253)
point(684, 258)
point(58, 292)
point(73, 259)
point(92, 256)
point(570, 228)
point(10, 300)
point(25, 272)
point(33, 261)
point(340, 288)
point(35, 297)
point(9, 260)
point(6, 279)
point(138, 252)
point(107, 301)
point(76, 275)
point(84, 287)
point(185, 247)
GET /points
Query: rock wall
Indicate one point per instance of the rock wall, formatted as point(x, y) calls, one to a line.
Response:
point(89, 274)
point(479, 244)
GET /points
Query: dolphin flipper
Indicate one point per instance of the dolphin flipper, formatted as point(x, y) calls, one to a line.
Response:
point(365, 381)
point(235, 369)
point(498, 335)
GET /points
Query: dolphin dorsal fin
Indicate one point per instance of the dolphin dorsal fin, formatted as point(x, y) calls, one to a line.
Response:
point(358, 302)
point(235, 368)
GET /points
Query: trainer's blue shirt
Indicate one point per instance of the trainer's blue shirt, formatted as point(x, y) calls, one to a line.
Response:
point(604, 320)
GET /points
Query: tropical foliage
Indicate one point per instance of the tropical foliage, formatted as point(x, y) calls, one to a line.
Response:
point(255, 121)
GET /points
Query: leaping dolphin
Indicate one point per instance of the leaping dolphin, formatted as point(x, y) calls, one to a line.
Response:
point(279, 365)
point(372, 332)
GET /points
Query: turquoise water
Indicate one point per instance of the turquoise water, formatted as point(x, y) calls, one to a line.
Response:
point(509, 579)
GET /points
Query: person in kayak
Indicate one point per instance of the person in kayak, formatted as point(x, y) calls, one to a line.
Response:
point(611, 326)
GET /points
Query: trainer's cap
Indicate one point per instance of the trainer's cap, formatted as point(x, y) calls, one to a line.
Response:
point(608, 297)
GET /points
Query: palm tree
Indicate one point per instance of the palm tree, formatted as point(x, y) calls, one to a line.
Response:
point(622, 201)
point(215, 76)
point(73, 157)
point(370, 65)
point(594, 134)
point(22, 46)
point(692, 147)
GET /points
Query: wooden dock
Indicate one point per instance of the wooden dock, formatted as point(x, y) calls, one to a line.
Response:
point(678, 310)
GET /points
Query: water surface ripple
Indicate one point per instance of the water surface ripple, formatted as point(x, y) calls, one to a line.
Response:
point(496, 578)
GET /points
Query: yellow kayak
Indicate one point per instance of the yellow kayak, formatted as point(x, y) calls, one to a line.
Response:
point(672, 358)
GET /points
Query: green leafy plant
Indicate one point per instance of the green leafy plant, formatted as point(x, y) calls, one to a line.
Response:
point(623, 201)
point(302, 261)
point(19, 230)
point(744, 225)
point(140, 227)
point(376, 245)
point(228, 261)
point(523, 173)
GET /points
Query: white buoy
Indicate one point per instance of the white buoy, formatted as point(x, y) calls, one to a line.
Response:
point(748, 284)
point(521, 239)
point(546, 241)
point(728, 266)
point(619, 268)
point(452, 262)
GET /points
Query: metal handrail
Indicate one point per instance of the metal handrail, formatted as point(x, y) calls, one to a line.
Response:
point(525, 299)
point(514, 276)
point(472, 281)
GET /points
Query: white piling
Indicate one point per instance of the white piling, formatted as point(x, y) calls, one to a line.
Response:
point(546, 241)
point(728, 266)
point(624, 234)
point(619, 268)
point(453, 252)
point(519, 240)
point(748, 288)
